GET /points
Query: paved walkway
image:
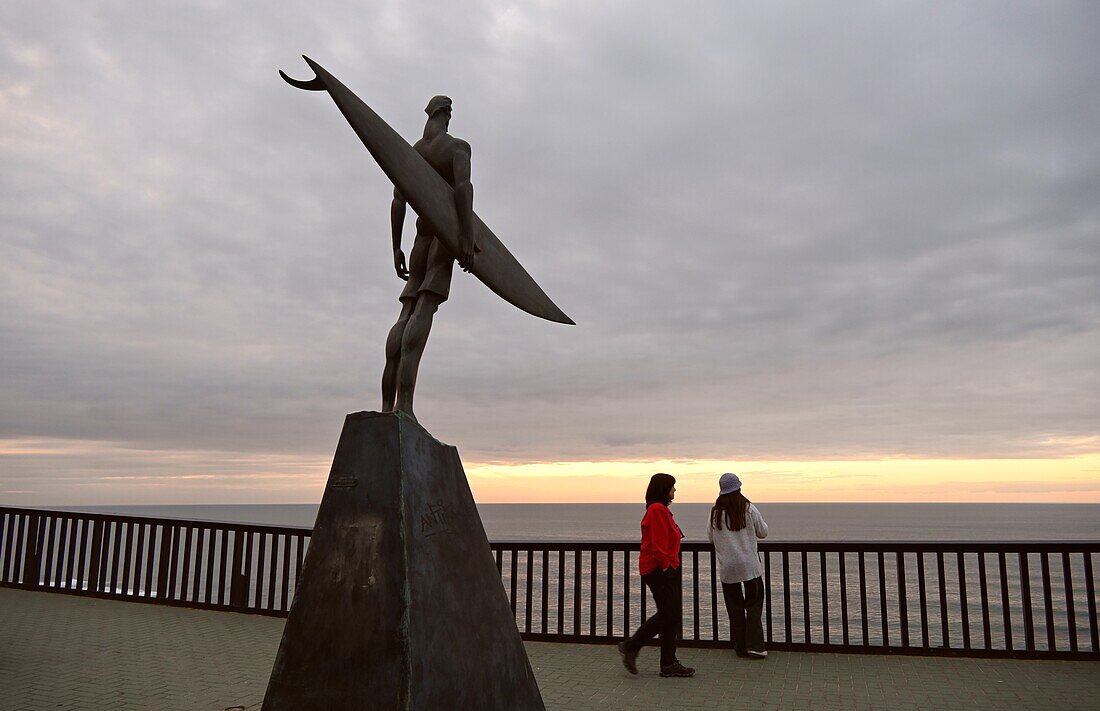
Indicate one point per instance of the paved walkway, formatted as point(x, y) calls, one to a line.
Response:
point(69, 653)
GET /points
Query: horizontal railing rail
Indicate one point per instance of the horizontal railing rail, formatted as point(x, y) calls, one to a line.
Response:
point(974, 598)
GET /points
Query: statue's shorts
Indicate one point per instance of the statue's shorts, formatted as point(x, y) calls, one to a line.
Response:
point(430, 267)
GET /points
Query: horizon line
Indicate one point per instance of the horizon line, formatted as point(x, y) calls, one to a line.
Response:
point(586, 503)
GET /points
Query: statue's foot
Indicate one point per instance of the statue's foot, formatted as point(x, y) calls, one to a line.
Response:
point(407, 411)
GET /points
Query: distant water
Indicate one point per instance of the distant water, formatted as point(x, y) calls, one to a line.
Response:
point(812, 522)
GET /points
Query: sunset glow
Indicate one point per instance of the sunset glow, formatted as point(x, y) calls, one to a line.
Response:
point(74, 472)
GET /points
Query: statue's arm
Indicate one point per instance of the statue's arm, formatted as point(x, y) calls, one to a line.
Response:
point(397, 223)
point(464, 205)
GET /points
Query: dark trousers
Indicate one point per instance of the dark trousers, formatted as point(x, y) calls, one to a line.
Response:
point(666, 622)
point(744, 607)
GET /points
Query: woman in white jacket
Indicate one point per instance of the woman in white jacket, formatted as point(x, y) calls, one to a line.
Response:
point(735, 526)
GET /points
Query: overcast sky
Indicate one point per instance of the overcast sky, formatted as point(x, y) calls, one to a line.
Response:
point(785, 231)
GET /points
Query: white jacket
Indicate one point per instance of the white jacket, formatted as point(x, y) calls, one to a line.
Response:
point(738, 557)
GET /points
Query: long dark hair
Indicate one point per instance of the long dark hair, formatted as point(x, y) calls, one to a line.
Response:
point(660, 486)
point(736, 509)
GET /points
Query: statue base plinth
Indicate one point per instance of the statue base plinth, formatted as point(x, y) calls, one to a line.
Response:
point(399, 604)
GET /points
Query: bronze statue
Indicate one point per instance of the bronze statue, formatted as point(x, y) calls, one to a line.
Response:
point(434, 178)
point(399, 602)
point(430, 263)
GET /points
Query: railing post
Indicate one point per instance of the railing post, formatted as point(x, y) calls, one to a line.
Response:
point(530, 582)
point(94, 555)
point(32, 553)
point(1025, 599)
point(715, 574)
point(768, 595)
point(163, 562)
point(238, 581)
point(10, 538)
point(903, 600)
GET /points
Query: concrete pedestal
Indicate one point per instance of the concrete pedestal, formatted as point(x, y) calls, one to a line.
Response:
point(400, 605)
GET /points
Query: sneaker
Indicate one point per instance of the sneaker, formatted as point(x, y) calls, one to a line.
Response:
point(629, 658)
point(677, 669)
point(758, 655)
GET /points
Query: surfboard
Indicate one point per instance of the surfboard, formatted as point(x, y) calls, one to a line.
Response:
point(433, 199)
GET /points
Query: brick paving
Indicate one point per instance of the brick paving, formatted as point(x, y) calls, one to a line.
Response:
point(69, 653)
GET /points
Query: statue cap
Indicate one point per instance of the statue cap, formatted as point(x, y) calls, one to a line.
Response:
point(438, 103)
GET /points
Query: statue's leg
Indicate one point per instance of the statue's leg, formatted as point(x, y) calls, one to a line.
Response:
point(393, 356)
point(412, 348)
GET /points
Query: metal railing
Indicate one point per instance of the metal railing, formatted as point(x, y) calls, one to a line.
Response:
point(241, 567)
point(1016, 599)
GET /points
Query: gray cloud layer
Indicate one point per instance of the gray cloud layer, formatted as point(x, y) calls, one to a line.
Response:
point(784, 229)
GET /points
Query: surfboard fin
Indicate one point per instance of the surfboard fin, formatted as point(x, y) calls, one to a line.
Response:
point(314, 84)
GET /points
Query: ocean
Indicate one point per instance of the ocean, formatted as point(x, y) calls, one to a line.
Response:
point(787, 522)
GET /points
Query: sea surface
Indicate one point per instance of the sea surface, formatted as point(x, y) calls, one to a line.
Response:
point(786, 522)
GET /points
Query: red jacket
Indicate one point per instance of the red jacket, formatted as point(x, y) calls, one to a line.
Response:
point(660, 540)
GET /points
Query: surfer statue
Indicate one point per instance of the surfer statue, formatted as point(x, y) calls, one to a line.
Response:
point(431, 264)
point(434, 178)
point(386, 613)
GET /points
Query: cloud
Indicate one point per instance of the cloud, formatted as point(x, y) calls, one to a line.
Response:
point(784, 231)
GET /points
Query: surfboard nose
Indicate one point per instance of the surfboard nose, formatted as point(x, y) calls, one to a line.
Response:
point(317, 83)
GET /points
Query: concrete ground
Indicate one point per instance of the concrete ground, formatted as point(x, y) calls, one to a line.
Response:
point(67, 653)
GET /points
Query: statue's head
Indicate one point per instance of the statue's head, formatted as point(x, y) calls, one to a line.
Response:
point(437, 104)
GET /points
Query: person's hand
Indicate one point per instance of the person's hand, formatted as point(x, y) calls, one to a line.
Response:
point(399, 264)
point(469, 252)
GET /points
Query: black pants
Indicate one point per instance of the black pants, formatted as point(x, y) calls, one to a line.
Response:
point(744, 608)
point(667, 621)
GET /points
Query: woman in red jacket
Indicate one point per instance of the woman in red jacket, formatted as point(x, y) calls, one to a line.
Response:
point(659, 564)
